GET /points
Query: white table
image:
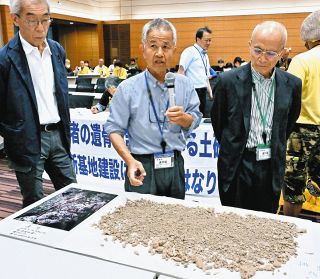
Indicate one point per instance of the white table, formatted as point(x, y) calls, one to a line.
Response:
point(21, 259)
point(97, 96)
point(82, 252)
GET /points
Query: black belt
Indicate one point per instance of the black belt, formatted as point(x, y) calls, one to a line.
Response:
point(50, 127)
point(176, 154)
point(202, 89)
point(251, 149)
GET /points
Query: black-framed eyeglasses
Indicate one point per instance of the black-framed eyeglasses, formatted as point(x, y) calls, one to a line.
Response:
point(270, 54)
point(45, 22)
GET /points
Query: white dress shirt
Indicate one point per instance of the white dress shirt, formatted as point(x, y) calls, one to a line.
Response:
point(196, 65)
point(42, 75)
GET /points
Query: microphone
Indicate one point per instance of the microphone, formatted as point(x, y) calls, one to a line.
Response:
point(169, 81)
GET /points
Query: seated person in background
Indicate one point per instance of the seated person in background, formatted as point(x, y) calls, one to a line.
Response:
point(284, 61)
point(111, 67)
point(133, 65)
point(111, 86)
point(228, 67)
point(237, 62)
point(102, 69)
point(82, 69)
point(86, 63)
point(220, 66)
point(119, 71)
point(67, 65)
point(133, 68)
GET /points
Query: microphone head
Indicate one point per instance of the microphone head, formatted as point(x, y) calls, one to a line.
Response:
point(169, 79)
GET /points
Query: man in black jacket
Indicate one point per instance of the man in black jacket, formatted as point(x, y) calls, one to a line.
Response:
point(254, 110)
point(34, 114)
point(111, 85)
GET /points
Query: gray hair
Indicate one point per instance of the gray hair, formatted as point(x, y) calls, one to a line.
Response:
point(271, 26)
point(16, 6)
point(158, 24)
point(310, 27)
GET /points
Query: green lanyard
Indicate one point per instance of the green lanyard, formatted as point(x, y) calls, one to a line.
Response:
point(264, 117)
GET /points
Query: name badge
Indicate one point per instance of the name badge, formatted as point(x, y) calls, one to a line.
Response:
point(163, 160)
point(263, 152)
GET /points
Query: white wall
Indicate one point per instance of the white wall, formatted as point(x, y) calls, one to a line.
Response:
point(140, 9)
point(199, 8)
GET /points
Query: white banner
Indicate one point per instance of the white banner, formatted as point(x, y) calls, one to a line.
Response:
point(96, 161)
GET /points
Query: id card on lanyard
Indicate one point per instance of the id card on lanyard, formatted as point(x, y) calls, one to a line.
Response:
point(263, 151)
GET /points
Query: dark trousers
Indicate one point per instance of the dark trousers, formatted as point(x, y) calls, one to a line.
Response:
point(168, 182)
point(202, 94)
point(54, 159)
point(252, 186)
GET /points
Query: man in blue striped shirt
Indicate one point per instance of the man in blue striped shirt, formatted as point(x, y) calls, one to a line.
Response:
point(157, 132)
point(254, 110)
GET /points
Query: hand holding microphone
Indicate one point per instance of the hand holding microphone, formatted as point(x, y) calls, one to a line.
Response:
point(175, 114)
point(169, 81)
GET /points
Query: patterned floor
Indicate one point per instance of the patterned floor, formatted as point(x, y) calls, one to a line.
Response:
point(10, 197)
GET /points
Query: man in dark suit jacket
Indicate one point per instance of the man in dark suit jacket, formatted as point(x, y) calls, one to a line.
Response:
point(254, 110)
point(34, 114)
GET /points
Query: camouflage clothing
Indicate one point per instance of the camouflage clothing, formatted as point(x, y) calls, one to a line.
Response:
point(302, 163)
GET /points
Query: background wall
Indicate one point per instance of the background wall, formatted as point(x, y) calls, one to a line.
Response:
point(1, 37)
point(232, 22)
point(6, 24)
point(141, 9)
point(80, 43)
point(231, 34)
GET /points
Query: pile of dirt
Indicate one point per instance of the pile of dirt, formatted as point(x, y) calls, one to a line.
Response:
point(201, 236)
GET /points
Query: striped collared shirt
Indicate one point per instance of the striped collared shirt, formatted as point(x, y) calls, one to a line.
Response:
point(262, 88)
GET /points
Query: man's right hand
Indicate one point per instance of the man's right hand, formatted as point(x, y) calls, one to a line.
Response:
point(94, 109)
point(136, 173)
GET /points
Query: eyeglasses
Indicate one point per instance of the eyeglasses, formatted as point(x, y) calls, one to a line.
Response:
point(45, 22)
point(270, 54)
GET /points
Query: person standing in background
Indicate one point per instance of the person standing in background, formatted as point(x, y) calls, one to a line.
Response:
point(34, 112)
point(303, 151)
point(194, 63)
point(254, 111)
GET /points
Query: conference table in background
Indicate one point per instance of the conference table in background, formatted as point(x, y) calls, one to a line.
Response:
point(72, 80)
point(97, 163)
